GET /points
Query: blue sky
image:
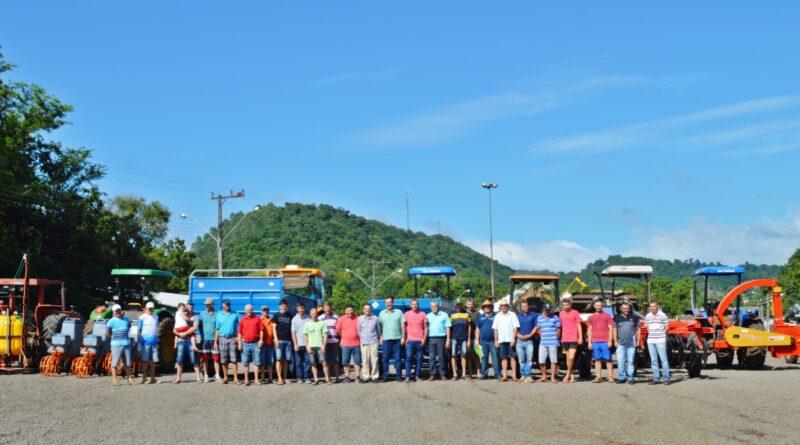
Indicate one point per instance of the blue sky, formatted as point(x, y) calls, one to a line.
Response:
point(669, 130)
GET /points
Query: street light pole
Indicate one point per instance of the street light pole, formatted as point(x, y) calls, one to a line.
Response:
point(220, 240)
point(489, 186)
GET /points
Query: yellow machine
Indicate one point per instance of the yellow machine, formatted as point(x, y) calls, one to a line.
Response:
point(576, 286)
point(10, 334)
point(747, 337)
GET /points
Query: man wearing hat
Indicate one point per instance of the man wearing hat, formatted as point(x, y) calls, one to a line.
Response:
point(548, 327)
point(208, 351)
point(148, 340)
point(485, 336)
point(227, 325)
point(506, 328)
point(117, 329)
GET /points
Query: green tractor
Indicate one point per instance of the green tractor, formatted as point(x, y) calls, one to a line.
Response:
point(133, 292)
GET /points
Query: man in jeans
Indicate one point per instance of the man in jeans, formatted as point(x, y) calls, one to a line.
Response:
point(282, 331)
point(416, 336)
point(251, 340)
point(302, 368)
point(485, 335)
point(527, 323)
point(627, 331)
point(438, 340)
point(186, 343)
point(657, 325)
point(227, 325)
point(392, 337)
point(347, 329)
point(369, 333)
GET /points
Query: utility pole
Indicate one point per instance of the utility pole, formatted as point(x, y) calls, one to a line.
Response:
point(408, 218)
point(489, 187)
point(221, 199)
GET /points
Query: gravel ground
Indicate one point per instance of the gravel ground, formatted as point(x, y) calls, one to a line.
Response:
point(725, 406)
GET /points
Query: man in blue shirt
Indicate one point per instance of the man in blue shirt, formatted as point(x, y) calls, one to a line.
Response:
point(118, 329)
point(227, 326)
point(438, 339)
point(485, 335)
point(527, 322)
point(208, 326)
point(548, 326)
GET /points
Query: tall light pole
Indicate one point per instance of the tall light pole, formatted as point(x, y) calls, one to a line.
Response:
point(489, 186)
point(220, 239)
point(373, 287)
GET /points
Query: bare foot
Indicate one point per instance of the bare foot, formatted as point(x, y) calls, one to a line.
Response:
point(117, 383)
point(543, 379)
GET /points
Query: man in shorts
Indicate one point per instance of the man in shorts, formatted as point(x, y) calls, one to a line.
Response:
point(148, 342)
point(250, 340)
point(227, 325)
point(282, 331)
point(208, 326)
point(571, 336)
point(461, 332)
point(314, 333)
point(118, 329)
point(600, 326)
point(506, 328)
point(473, 361)
point(347, 330)
point(333, 349)
point(548, 328)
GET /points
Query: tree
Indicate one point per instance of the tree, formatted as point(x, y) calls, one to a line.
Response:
point(789, 279)
point(174, 257)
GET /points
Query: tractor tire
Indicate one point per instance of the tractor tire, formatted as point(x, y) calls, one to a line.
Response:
point(166, 345)
point(51, 326)
point(791, 360)
point(752, 358)
point(583, 361)
point(725, 360)
point(696, 358)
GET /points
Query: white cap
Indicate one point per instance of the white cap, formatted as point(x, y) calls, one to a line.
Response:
point(150, 305)
point(116, 307)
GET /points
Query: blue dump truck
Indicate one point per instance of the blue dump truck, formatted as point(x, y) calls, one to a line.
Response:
point(259, 287)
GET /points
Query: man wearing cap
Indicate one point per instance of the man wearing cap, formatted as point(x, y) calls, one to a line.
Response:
point(302, 368)
point(333, 349)
point(186, 347)
point(571, 335)
point(369, 334)
point(268, 350)
point(227, 325)
point(416, 334)
point(548, 328)
point(148, 342)
point(438, 340)
point(527, 323)
point(118, 329)
point(461, 328)
point(392, 337)
point(506, 327)
point(283, 332)
point(347, 330)
point(473, 362)
point(208, 326)
point(485, 335)
point(250, 340)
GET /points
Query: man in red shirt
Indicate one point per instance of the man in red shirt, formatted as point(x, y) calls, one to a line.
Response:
point(571, 335)
point(347, 328)
point(416, 333)
point(251, 340)
point(598, 338)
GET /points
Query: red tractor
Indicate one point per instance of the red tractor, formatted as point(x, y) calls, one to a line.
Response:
point(32, 312)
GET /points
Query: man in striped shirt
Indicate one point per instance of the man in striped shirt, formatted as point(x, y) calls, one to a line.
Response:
point(548, 326)
point(657, 325)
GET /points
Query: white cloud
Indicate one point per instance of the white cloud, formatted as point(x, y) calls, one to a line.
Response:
point(556, 256)
point(453, 121)
point(680, 132)
point(356, 75)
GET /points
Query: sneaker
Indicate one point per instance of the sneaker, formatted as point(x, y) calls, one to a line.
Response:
point(630, 382)
point(666, 382)
point(654, 382)
point(205, 379)
point(345, 380)
point(621, 382)
point(407, 380)
point(358, 380)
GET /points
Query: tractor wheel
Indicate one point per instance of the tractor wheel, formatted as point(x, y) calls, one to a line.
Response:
point(675, 351)
point(51, 326)
point(584, 363)
point(724, 358)
point(697, 356)
point(752, 358)
point(791, 360)
point(166, 345)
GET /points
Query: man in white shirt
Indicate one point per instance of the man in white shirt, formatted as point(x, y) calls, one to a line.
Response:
point(148, 342)
point(505, 327)
point(657, 325)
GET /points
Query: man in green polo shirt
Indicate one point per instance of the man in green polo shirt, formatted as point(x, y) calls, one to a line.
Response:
point(314, 335)
point(392, 325)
